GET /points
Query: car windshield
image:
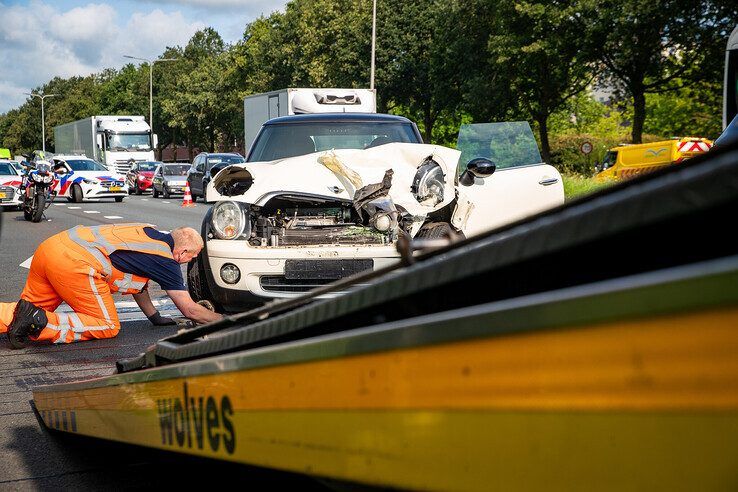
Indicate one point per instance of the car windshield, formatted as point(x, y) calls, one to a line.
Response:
point(85, 165)
point(148, 166)
point(227, 159)
point(176, 170)
point(293, 139)
point(7, 169)
point(129, 141)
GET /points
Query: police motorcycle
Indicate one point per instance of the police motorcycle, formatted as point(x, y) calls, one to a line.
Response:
point(38, 181)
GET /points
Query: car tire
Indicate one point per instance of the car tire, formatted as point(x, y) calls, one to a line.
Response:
point(165, 192)
point(155, 193)
point(77, 195)
point(197, 283)
point(118, 199)
point(438, 230)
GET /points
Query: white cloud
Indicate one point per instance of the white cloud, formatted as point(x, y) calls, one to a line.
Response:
point(39, 42)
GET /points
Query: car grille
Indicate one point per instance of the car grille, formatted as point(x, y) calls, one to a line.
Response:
point(278, 283)
point(123, 167)
point(108, 184)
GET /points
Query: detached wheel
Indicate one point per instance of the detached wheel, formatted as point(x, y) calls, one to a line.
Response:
point(77, 193)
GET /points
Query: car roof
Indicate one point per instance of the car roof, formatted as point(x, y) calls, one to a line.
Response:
point(233, 154)
point(338, 118)
point(67, 157)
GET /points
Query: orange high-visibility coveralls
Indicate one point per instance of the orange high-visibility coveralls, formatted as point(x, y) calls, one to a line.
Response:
point(74, 266)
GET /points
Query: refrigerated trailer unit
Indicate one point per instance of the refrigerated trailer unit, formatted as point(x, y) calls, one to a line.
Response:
point(111, 140)
point(260, 108)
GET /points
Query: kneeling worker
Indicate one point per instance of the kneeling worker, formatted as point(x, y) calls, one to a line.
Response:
point(83, 266)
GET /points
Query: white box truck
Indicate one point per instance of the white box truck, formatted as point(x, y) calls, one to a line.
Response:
point(111, 140)
point(259, 108)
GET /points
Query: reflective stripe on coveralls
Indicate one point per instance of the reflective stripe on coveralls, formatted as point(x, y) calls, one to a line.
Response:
point(74, 266)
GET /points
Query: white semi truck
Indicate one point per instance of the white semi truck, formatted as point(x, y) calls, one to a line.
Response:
point(259, 108)
point(111, 140)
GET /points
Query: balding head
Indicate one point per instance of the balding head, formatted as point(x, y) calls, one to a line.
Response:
point(187, 244)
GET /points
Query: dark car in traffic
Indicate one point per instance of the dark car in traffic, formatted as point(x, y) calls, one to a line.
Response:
point(201, 171)
point(139, 177)
point(170, 179)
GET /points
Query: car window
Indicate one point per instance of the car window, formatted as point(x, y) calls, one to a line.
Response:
point(293, 139)
point(84, 165)
point(199, 164)
point(6, 169)
point(508, 145)
point(147, 166)
point(176, 170)
point(224, 159)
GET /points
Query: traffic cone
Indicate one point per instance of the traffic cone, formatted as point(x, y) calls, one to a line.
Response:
point(187, 202)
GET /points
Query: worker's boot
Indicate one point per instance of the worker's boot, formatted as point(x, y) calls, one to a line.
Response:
point(28, 320)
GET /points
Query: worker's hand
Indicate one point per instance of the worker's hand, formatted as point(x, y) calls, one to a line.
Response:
point(159, 320)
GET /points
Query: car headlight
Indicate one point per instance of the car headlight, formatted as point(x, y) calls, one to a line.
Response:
point(429, 182)
point(90, 181)
point(228, 220)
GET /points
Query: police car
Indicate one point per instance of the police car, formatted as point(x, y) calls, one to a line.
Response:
point(10, 182)
point(87, 179)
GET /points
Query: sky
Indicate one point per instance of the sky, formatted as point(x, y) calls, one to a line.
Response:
point(41, 39)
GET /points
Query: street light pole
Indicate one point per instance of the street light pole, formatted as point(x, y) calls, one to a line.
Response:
point(374, 40)
point(43, 118)
point(151, 83)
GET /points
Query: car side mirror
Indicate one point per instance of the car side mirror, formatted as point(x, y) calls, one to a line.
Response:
point(477, 168)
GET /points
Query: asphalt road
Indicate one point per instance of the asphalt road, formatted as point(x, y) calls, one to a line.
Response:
point(33, 458)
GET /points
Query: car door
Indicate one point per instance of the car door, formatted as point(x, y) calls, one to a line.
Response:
point(521, 185)
point(158, 177)
point(198, 172)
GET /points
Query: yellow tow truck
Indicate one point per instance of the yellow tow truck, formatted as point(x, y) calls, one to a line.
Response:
point(627, 161)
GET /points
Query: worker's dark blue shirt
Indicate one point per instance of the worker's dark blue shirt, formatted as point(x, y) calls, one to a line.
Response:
point(164, 271)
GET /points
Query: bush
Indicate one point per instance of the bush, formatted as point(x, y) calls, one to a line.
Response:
point(576, 185)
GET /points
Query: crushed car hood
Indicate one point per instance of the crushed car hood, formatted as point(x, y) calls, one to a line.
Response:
point(306, 174)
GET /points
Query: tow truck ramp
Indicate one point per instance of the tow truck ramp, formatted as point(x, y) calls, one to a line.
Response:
point(591, 346)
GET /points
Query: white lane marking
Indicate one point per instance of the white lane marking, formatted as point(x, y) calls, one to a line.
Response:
point(74, 208)
point(91, 212)
point(144, 199)
point(27, 263)
point(164, 201)
point(129, 310)
point(58, 204)
point(112, 216)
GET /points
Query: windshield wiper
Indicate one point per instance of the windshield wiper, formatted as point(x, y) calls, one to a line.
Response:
point(120, 148)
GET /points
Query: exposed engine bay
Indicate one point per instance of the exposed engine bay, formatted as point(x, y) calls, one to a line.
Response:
point(347, 197)
point(290, 220)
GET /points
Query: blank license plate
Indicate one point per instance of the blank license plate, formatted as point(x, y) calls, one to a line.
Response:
point(2, 194)
point(324, 269)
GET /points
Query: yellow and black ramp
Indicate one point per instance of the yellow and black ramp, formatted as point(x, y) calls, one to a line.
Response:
point(623, 384)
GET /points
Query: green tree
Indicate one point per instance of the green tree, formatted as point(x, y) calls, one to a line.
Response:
point(536, 61)
point(652, 46)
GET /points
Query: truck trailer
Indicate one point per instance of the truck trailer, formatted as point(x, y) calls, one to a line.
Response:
point(111, 140)
point(259, 108)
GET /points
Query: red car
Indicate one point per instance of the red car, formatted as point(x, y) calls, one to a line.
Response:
point(139, 178)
